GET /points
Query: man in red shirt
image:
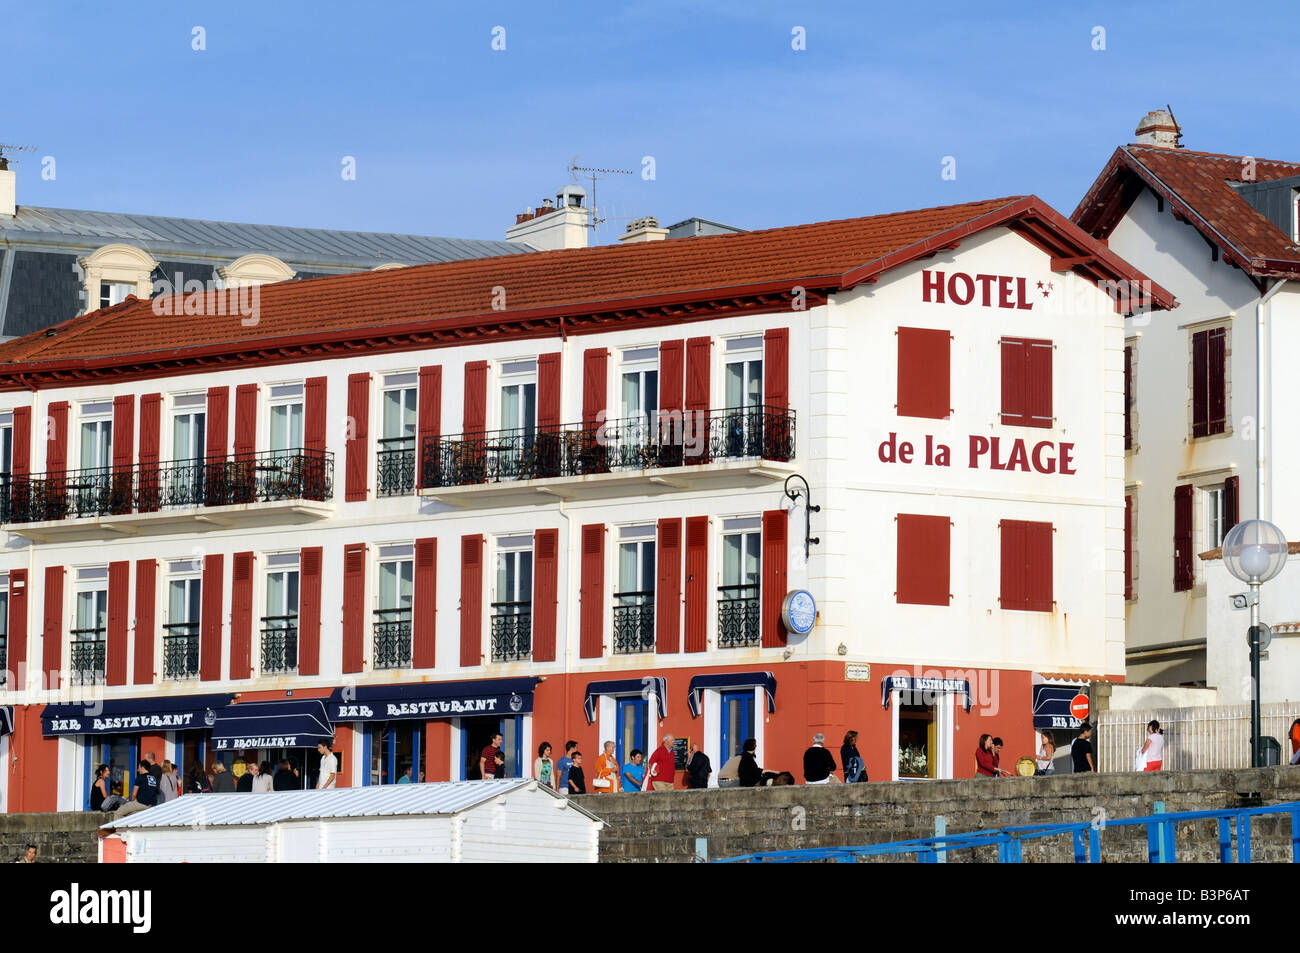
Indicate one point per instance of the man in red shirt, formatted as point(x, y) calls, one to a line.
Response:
point(663, 767)
point(486, 764)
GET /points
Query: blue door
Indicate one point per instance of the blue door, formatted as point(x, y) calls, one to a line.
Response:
point(394, 750)
point(632, 715)
point(476, 734)
point(737, 722)
point(120, 753)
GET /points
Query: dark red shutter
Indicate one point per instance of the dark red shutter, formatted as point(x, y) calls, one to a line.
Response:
point(924, 546)
point(309, 586)
point(672, 375)
point(146, 599)
point(241, 616)
point(773, 574)
point(698, 357)
point(1014, 587)
point(1013, 382)
point(548, 392)
point(475, 397)
point(214, 570)
point(123, 464)
point(17, 637)
point(428, 418)
point(358, 444)
point(776, 368)
point(1200, 383)
point(52, 660)
point(1128, 547)
point(1184, 572)
point(314, 424)
point(1128, 397)
point(1026, 382)
point(56, 451)
point(592, 591)
point(22, 459)
point(245, 421)
point(218, 423)
point(546, 570)
point(424, 623)
point(354, 607)
point(595, 364)
point(471, 600)
point(119, 594)
point(1231, 503)
point(1038, 566)
point(150, 430)
point(697, 583)
point(668, 586)
point(924, 363)
point(1217, 396)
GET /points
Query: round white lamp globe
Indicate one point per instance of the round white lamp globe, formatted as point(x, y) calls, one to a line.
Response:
point(1254, 551)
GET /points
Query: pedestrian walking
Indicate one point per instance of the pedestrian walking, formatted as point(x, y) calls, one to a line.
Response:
point(818, 763)
point(855, 769)
point(1081, 750)
point(169, 788)
point(634, 772)
point(329, 767)
point(577, 781)
point(1152, 750)
point(562, 766)
point(698, 769)
point(544, 766)
point(223, 782)
point(607, 771)
point(663, 767)
point(1046, 755)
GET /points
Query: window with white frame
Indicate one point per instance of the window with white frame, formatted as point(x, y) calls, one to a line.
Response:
point(90, 627)
point(738, 596)
point(184, 613)
point(189, 426)
point(396, 594)
point(115, 292)
point(96, 443)
point(512, 603)
point(634, 598)
point(743, 373)
point(399, 403)
point(6, 446)
point(280, 618)
point(519, 396)
point(639, 382)
point(286, 407)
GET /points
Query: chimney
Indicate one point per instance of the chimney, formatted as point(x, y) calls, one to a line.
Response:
point(554, 226)
point(8, 190)
point(644, 230)
point(1159, 129)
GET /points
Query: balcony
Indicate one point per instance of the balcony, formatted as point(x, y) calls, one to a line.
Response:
point(512, 631)
point(392, 638)
point(279, 644)
point(176, 496)
point(634, 622)
point(396, 466)
point(738, 617)
point(713, 449)
point(181, 650)
point(88, 656)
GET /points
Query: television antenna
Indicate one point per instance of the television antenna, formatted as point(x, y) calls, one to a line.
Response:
point(5, 147)
point(593, 175)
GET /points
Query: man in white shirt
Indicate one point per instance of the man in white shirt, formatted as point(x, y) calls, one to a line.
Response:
point(329, 766)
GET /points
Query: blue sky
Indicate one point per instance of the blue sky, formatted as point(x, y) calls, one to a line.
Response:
point(452, 138)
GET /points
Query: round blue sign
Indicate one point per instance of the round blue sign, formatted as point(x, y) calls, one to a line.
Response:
point(799, 612)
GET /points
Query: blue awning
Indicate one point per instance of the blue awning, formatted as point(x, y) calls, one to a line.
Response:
point(428, 700)
point(925, 687)
point(6, 719)
point(127, 716)
point(1052, 706)
point(731, 680)
point(626, 686)
point(297, 723)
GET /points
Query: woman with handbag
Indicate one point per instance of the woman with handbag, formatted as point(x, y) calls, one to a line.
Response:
point(607, 772)
point(855, 768)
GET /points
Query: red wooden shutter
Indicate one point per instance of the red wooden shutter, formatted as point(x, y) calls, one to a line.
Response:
point(924, 372)
point(546, 570)
point(1128, 397)
point(471, 600)
point(475, 397)
point(776, 552)
point(1013, 382)
point(123, 464)
point(1038, 567)
point(52, 660)
point(1128, 547)
point(429, 418)
point(1026, 382)
point(697, 583)
point(218, 423)
point(56, 451)
point(1217, 394)
point(119, 582)
point(17, 638)
point(672, 375)
point(22, 458)
point(698, 356)
point(309, 585)
point(1184, 572)
point(354, 607)
point(668, 586)
point(924, 546)
point(241, 616)
point(150, 430)
point(592, 636)
point(1231, 503)
point(1200, 383)
point(245, 421)
point(214, 571)
point(358, 446)
point(595, 364)
point(424, 622)
point(776, 368)
point(1014, 588)
point(314, 426)
point(548, 391)
point(146, 597)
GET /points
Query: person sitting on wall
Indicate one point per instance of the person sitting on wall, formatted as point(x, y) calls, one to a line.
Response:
point(146, 791)
point(100, 799)
point(749, 773)
point(985, 764)
point(818, 763)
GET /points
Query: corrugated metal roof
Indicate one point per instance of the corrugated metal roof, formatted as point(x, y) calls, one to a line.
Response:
point(390, 800)
point(161, 236)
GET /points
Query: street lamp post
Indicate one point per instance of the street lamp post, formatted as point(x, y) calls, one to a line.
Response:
point(1254, 552)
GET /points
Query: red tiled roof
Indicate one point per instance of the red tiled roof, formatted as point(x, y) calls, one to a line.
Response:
point(1197, 185)
point(459, 297)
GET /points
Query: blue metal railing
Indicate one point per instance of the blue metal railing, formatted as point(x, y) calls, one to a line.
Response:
point(1086, 835)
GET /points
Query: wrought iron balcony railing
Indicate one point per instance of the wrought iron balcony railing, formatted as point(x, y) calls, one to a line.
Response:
point(148, 487)
point(88, 656)
point(635, 443)
point(634, 622)
point(392, 638)
point(396, 466)
point(738, 617)
point(279, 644)
point(181, 650)
point(512, 631)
